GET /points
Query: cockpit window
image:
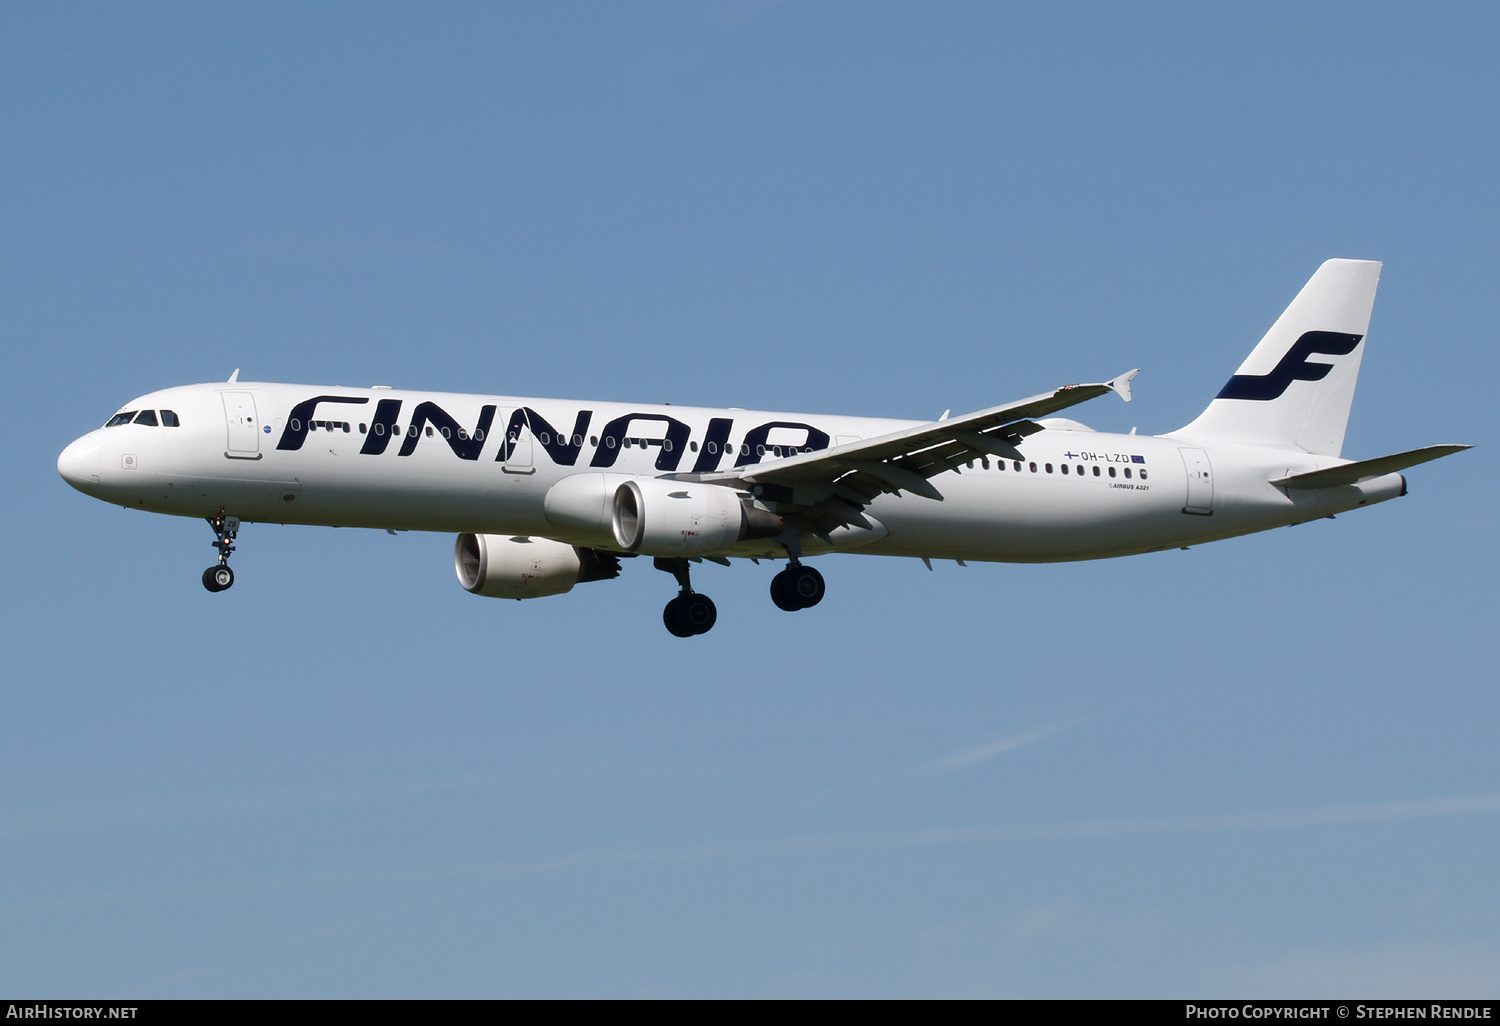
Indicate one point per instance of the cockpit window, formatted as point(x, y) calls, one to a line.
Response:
point(169, 419)
point(146, 417)
point(121, 418)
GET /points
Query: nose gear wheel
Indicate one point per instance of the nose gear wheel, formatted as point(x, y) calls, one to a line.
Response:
point(219, 577)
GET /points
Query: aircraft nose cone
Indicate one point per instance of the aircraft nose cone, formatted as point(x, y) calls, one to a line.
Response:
point(79, 464)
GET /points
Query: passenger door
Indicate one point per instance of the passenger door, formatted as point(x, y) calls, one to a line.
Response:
point(243, 424)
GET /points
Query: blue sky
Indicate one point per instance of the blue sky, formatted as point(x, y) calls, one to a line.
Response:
point(1261, 767)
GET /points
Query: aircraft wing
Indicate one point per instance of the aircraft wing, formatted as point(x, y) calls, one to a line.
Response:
point(828, 488)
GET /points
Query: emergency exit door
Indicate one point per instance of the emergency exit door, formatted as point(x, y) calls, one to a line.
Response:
point(1200, 485)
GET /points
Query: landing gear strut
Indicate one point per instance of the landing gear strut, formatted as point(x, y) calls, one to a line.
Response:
point(797, 587)
point(219, 577)
point(689, 613)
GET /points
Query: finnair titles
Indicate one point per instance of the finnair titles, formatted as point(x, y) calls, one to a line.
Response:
point(544, 494)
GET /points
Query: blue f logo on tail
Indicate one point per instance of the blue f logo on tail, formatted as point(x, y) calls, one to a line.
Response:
point(1292, 367)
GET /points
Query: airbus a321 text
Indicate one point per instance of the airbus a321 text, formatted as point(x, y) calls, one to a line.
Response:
point(545, 494)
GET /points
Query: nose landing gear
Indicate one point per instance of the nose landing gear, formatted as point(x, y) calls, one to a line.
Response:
point(219, 577)
point(797, 587)
point(689, 613)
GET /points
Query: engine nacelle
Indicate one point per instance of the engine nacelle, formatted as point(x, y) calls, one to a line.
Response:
point(660, 517)
point(579, 506)
point(519, 567)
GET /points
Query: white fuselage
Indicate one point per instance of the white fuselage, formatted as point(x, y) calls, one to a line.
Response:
point(379, 458)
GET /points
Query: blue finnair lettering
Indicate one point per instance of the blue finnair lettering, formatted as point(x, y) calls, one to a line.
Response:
point(466, 445)
point(614, 434)
point(756, 440)
point(300, 419)
point(382, 427)
point(562, 448)
point(668, 435)
point(1292, 367)
point(715, 445)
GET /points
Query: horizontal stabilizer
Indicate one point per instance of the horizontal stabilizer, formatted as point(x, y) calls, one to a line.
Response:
point(1350, 473)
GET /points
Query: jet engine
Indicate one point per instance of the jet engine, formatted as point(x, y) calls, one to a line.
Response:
point(660, 517)
point(519, 567)
point(655, 516)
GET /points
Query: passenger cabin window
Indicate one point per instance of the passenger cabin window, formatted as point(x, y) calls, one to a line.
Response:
point(169, 419)
point(1111, 471)
point(146, 418)
point(121, 418)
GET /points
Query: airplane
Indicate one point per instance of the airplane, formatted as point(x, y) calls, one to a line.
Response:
point(544, 494)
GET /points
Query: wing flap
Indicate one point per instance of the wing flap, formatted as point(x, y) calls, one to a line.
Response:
point(895, 475)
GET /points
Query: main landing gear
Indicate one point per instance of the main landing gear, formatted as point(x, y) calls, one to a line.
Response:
point(797, 587)
point(689, 613)
point(219, 577)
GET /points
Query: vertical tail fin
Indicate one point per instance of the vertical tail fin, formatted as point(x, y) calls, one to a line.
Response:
point(1295, 388)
